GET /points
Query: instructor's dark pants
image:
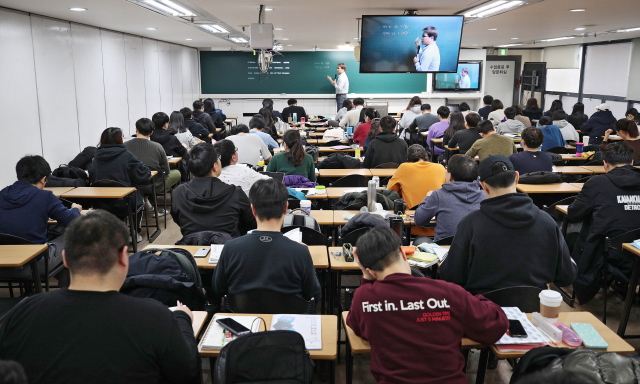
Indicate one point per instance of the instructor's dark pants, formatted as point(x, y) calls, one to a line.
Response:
point(340, 98)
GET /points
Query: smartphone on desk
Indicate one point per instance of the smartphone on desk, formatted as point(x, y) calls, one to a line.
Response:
point(516, 329)
point(233, 326)
point(202, 252)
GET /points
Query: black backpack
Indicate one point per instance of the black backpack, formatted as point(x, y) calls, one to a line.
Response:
point(265, 357)
point(313, 151)
point(541, 177)
point(300, 218)
point(68, 172)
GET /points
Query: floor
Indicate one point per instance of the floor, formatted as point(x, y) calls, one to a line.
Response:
point(362, 375)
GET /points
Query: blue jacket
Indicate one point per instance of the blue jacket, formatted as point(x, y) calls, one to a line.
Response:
point(597, 125)
point(25, 210)
point(552, 137)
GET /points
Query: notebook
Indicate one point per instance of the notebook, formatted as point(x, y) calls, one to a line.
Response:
point(309, 326)
point(216, 337)
point(534, 336)
point(216, 251)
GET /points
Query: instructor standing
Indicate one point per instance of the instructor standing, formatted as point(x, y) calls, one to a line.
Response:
point(341, 84)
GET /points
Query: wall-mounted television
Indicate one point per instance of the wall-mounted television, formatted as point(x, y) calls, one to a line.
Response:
point(410, 44)
point(466, 78)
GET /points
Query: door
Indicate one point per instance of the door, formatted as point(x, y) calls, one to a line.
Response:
point(499, 81)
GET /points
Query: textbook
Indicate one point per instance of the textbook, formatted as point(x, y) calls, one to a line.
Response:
point(309, 326)
point(216, 251)
point(427, 255)
point(534, 337)
point(216, 337)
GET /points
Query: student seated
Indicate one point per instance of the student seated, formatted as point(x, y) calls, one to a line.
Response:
point(258, 124)
point(373, 131)
point(418, 177)
point(423, 122)
point(508, 242)
point(577, 116)
point(391, 309)
point(264, 258)
point(413, 110)
point(197, 130)
point(456, 124)
point(25, 209)
point(556, 105)
point(232, 172)
point(250, 147)
point(598, 124)
point(567, 130)
point(360, 134)
point(491, 143)
point(530, 159)
point(288, 112)
point(91, 333)
point(347, 105)
point(511, 125)
point(387, 147)
point(552, 135)
point(270, 123)
point(208, 204)
point(161, 135)
point(608, 206)
point(268, 103)
point(203, 118)
point(484, 111)
point(496, 116)
point(532, 110)
point(177, 128)
point(465, 109)
point(520, 117)
point(294, 160)
point(628, 131)
point(459, 196)
point(437, 130)
point(216, 114)
point(350, 118)
point(465, 138)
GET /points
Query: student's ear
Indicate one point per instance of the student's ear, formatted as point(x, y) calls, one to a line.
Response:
point(372, 272)
point(253, 210)
point(484, 187)
point(123, 257)
point(517, 177)
point(286, 207)
point(44, 180)
point(64, 259)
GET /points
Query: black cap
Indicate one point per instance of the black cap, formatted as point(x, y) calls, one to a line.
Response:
point(493, 165)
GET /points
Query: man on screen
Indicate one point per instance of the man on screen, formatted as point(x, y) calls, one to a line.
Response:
point(428, 58)
point(465, 80)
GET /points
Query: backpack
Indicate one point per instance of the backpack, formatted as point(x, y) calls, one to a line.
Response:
point(69, 172)
point(313, 151)
point(265, 357)
point(53, 181)
point(541, 177)
point(300, 218)
point(219, 112)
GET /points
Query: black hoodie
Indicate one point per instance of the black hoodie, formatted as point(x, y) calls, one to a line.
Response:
point(172, 146)
point(206, 120)
point(197, 130)
point(508, 242)
point(609, 205)
point(208, 204)
point(387, 147)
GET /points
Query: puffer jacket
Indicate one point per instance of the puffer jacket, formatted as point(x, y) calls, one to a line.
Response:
point(364, 220)
point(297, 181)
point(204, 238)
point(339, 161)
point(384, 197)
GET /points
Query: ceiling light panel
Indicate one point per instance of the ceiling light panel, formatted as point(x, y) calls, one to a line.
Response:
point(559, 38)
point(168, 6)
point(214, 28)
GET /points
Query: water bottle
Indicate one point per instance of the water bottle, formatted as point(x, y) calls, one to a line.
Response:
point(371, 196)
point(295, 117)
point(261, 161)
point(302, 121)
point(377, 180)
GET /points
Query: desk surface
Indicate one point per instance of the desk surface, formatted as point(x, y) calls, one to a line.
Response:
point(19, 255)
point(323, 217)
point(569, 156)
point(337, 192)
point(329, 149)
point(563, 208)
point(99, 192)
point(153, 173)
point(329, 349)
point(382, 172)
point(59, 191)
point(318, 254)
point(174, 160)
point(573, 170)
point(338, 217)
point(616, 343)
point(343, 172)
point(199, 318)
point(550, 188)
point(631, 248)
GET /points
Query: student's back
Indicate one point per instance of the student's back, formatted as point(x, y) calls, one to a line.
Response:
point(115, 162)
point(170, 143)
point(387, 147)
point(250, 148)
point(290, 110)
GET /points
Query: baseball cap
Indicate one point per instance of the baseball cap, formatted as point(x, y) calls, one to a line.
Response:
point(603, 107)
point(493, 165)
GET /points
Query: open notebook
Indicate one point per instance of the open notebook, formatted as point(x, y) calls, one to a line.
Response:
point(216, 337)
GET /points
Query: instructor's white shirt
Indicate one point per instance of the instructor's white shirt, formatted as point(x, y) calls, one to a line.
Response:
point(465, 82)
point(342, 84)
point(429, 58)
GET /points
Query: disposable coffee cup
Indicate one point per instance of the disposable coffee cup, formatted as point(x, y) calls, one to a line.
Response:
point(306, 206)
point(550, 302)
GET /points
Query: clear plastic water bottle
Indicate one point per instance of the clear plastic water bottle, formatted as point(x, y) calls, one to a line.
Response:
point(295, 118)
point(377, 180)
point(371, 196)
point(261, 161)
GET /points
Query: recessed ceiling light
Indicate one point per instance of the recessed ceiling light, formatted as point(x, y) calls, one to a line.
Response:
point(580, 29)
point(289, 45)
point(509, 45)
point(278, 29)
point(577, 10)
point(152, 29)
point(238, 39)
point(355, 38)
point(628, 30)
point(514, 38)
point(285, 38)
point(214, 28)
point(78, 9)
point(268, 9)
point(559, 38)
point(188, 39)
point(475, 45)
point(492, 29)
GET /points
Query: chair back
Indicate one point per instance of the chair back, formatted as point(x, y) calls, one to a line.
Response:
point(13, 240)
point(274, 175)
point(388, 166)
point(559, 163)
point(385, 181)
point(616, 242)
point(353, 207)
point(268, 302)
point(351, 181)
point(583, 179)
point(107, 184)
point(353, 236)
point(553, 212)
point(309, 236)
point(595, 162)
point(445, 241)
point(523, 297)
point(558, 150)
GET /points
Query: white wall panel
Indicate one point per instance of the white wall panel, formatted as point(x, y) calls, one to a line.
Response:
point(195, 73)
point(566, 56)
point(618, 108)
point(633, 90)
point(563, 80)
point(176, 78)
point(590, 105)
point(18, 98)
point(166, 90)
point(136, 94)
point(568, 102)
point(151, 76)
point(90, 93)
point(56, 89)
point(187, 94)
point(115, 80)
point(607, 69)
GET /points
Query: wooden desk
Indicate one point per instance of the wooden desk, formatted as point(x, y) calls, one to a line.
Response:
point(199, 318)
point(633, 252)
point(99, 193)
point(59, 191)
point(327, 141)
point(344, 172)
point(616, 343)
point(153, 173)
point(568, 156)
point(383, 172)
point(337, 192)
point(572, 170)
point(329, 149)
point(323, 217)
point(13, 256)
point(329, 349)
point(340, 264)
point(549, 188)
point(338, 217)
point(174, 160)
point(564, 209)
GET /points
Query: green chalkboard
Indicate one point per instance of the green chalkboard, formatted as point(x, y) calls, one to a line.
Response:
point(231, 72)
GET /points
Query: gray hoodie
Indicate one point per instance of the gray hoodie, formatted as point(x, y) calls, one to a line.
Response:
point(449, 205)
point(567, 130)
point(510, 126)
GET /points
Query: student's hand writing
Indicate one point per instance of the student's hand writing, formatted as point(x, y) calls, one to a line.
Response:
point(77, 206)
point(416, 59)
point(366, 274)
point(185, 309)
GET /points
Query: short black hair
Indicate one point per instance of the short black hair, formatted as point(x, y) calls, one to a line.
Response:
point(257, 121)
point(202, 158)
point(533, 137)
point(92, 242)
point(558, 115)
point(159, 119)
point(425, 107)
point(292, 101)
point(545, 120)
point(628, 126)
point(487, 99)
point(473, 119)
point(417, 152)
point(186, 113)
point(444, 112)
point(144, 126)
point(618, 154)
point(501, 180)
point(269, 198)
point(485, 127)
point(510, 113)
point(462, 168)
point(197, 105)
point(226, 149)
point(240, 128)
point(431, 31)
point(496, 105)
point(464, 107)
point(111, 135)
point(370, 113)
point(32, 169)
point(347, 104)
point(358, 101)
point(388, 123)
point(378, 248)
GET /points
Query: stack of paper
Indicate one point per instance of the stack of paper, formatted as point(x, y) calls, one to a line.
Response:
point(534, 338)
point(295, 235)
point(427, 255)
point(217, 337)
point(636, 243)
point(216, 251)
point(309, 326)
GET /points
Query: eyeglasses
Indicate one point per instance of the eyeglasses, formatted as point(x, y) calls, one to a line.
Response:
point(236, 149)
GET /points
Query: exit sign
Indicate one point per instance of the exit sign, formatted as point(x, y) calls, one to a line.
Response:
point(502, 52)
